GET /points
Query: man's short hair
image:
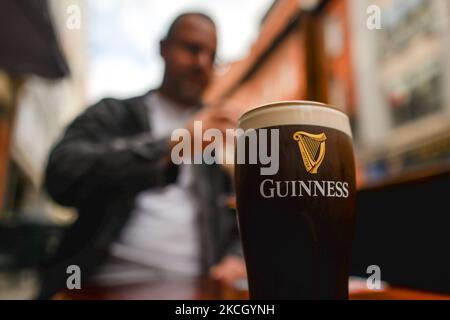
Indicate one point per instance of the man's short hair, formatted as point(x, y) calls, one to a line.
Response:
point(180, 17)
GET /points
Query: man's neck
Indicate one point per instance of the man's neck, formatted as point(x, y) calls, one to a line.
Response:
point(175, 102)
point(167, 94)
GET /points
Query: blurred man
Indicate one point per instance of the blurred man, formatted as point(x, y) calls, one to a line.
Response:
point(140, 216)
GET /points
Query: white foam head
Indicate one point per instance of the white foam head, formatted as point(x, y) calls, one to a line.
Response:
point(296, 113)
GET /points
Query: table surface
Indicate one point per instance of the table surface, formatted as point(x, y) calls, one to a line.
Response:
point(207, 289)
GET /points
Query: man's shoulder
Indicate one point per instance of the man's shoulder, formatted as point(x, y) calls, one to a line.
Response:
point(110, 107)
point(114, 103)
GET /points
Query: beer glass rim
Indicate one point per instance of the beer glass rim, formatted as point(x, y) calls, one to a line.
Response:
point(313, 113)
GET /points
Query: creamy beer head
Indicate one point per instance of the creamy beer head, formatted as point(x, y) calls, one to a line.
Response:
point(296, 211)
point(295, 113)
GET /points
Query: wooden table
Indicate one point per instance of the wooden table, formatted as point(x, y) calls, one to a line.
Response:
point(207, 289)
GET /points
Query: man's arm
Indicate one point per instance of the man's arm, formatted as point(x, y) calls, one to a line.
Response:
point(231, 267)
point(94, 159)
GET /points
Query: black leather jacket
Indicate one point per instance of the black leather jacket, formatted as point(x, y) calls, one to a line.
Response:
point(105, 158)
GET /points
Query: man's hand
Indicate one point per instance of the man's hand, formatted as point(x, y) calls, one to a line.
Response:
point(220, 115)
point(229, 270)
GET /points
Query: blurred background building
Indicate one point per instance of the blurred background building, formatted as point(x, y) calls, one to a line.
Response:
point(393, 82)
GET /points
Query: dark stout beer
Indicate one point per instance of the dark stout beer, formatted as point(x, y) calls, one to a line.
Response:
point(297, 225)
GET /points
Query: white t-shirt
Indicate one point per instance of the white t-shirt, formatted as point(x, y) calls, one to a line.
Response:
point(162, 234)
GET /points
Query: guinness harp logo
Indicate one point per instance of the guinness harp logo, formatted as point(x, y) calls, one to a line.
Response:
point(312, 149)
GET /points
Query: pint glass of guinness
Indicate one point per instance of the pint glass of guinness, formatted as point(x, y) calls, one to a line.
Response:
point(296, 213)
